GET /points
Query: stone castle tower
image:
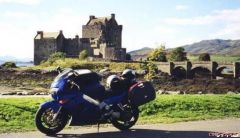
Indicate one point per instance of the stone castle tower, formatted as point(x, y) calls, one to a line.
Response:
point(101, 38)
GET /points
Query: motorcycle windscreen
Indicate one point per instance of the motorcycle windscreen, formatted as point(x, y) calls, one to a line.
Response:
point(60, 81)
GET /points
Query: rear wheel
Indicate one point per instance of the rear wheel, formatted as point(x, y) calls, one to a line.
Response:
point(46, 123)
point(127, 119)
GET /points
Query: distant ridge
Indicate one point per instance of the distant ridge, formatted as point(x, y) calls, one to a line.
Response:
point(214, 46)
point(140, 53)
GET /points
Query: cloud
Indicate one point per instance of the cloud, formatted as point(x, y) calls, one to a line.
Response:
point(23, 32)
point(23, 2)
point(65, 19)
point(231, 31)
point(181, 7)
point(222, 24)
point(223, 16)
point(189, 21)
point(16, 14)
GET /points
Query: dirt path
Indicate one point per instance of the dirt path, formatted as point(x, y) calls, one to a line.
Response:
point(195, 129)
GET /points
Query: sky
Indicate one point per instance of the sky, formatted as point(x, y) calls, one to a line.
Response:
point(146, 23)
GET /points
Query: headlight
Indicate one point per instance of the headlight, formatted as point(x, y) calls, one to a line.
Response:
point(54, 90)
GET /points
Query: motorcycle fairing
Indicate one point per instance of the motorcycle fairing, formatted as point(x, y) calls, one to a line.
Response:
point(88, 113)
point(51, 104)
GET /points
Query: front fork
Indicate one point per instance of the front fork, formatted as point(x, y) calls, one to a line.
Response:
point(56, 115)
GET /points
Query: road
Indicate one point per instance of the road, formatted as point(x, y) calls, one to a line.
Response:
point(194, 129)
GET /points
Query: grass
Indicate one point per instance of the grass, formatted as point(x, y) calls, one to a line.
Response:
point(175, 108)
point(17, 114)
point(217, 58)
point(84, 64)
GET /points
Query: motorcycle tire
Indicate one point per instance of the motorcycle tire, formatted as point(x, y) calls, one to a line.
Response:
point(47, 127)
point(123, 125)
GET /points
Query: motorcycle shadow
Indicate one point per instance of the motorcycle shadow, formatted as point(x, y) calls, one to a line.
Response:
point(140, 133)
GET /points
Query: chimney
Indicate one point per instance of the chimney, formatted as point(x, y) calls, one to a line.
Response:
point(113, 16)
point(40, 33)
point(92, 17)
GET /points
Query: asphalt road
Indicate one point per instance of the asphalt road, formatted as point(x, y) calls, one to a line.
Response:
point(195, 129)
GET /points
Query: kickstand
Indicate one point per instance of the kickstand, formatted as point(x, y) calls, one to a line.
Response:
point(98, 125)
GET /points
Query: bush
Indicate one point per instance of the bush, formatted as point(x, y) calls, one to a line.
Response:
point(115, 66)
point(204, 57)
point(128, 57)
point(178, 54)
point(158, 54)
point(151, 69)
point(56, 56)
point(83, 55)
point(8, 65)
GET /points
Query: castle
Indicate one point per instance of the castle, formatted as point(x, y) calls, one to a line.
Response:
point(101, 38)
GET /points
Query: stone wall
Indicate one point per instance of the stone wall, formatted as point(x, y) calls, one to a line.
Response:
point(214, 67)
point(113, 36)
point(85, 45)
point(60, 42)
point(115, 53)
point(91, 31)
point(72, 47)
point(102, 38)
point(43, 49)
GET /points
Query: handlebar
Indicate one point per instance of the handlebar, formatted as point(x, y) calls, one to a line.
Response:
point(73, 83)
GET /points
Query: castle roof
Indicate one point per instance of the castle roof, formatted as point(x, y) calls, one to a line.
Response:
point(100, 20)
point(42, 34)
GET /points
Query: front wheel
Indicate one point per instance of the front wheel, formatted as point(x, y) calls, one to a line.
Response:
point(127, 119)
point(46, 123)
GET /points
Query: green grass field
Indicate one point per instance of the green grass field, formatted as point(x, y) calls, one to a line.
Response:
point(175, 108)
point(84, 64)
point(17, 114)
point(217, 58)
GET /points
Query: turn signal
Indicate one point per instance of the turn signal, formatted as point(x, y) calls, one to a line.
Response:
point(63, 101)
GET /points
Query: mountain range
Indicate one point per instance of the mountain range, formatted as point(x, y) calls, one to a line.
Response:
point(214, 46)
point(15, 59)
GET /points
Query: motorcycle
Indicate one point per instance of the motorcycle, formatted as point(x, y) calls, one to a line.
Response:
point(80, 98)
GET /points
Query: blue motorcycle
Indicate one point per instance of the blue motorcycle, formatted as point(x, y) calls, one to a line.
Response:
point(80, 98)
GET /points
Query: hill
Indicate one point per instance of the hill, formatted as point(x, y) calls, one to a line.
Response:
point(215, 46)
point(140, 53)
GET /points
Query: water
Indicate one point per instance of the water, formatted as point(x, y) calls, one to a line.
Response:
point(20, 64)
point(24, 64)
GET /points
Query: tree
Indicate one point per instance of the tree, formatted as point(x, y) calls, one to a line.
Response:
point(151, 69)
point(83, 55)
point(204, 57)
point(55, 56)
point(158, 54)
point(178, 54)
point(128, 57)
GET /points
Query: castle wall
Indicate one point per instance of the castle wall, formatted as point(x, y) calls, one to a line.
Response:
point(114, 53)
point(43, 48)
point(72, 47)
point(60, 42)
point(113, 36)
point(91, 31)
point(101, 37)
point(85, 44)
